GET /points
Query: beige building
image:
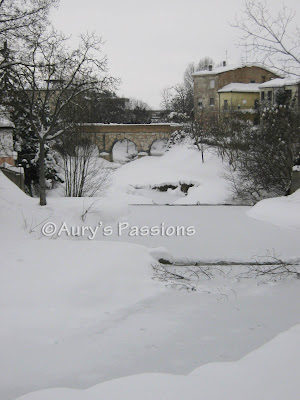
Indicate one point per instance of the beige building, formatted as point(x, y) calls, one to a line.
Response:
point(289, 86)
point(240, 97)
point(208, 83)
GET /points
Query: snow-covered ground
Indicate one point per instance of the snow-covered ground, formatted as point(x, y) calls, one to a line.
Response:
point(271, 372)
point(280, 211)
point(178, 165)
point(221, 233)
point(138, 181)
point(77, 312)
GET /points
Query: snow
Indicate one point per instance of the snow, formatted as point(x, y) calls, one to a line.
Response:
point(178, 165)
point(127, 125)
point(282, 211)
point(5, 165)
point(5, 122)
point(54, 291)
point(231, 67)
point(269, 373)
point(241, 88)
point(77, 312)
point(223, 233)
point(124, 150)
point(280, 82)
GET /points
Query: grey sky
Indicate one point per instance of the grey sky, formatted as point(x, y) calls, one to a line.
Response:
point(149, 44)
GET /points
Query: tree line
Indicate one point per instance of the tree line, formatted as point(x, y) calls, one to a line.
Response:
point(49, 86)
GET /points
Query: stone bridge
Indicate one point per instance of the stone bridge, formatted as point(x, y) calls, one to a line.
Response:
point(142, 135)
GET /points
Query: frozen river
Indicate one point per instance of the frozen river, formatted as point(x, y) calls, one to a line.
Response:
point(221, 233)
point(169, 331)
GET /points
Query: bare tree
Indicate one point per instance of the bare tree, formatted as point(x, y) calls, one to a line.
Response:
point(17, 18)
point(84, 172)
point(166, 102)
point(52, 76)
point(137, 112)
point(180, 98)
point(273, 38)
point(133, 103)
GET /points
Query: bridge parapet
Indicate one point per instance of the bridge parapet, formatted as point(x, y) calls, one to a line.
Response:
point(142, 135)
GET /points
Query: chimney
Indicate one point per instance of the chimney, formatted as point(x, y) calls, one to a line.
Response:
point(224, 63)
point(210, 67)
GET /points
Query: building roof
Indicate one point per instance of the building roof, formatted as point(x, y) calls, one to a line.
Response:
point(280, 82)
point(6, 123)
point(240, 88)
point(232, 67)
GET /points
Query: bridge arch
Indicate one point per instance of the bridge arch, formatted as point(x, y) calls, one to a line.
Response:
point(112, 139)
point(158, 147)
point(124, 150)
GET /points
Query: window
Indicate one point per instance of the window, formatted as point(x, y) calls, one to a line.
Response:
point(252, 80)
point(212, 101)
point(225, 104)
point(244, 101)
point(262, 96)
point(270, 95)
point(212, 84)
point(256, 120)
point(200, 103)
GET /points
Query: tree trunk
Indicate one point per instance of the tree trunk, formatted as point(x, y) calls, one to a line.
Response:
point(42, 180)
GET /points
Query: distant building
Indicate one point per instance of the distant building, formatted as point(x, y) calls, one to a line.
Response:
point(216, 89)
point(281, 90)
point(158, 116)
point(7, 153)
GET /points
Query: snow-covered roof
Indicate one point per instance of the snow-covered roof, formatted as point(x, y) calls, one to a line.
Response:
point(115, 124)
point(6, 122)
point(240, 88)
point(19, 170)
point(281, 82)
point(231, 67)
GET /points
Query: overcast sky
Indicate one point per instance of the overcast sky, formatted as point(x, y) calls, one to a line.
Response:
point(149, 43)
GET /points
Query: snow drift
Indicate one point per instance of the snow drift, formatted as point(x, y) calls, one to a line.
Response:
point(178, 165)
point(281, 211)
